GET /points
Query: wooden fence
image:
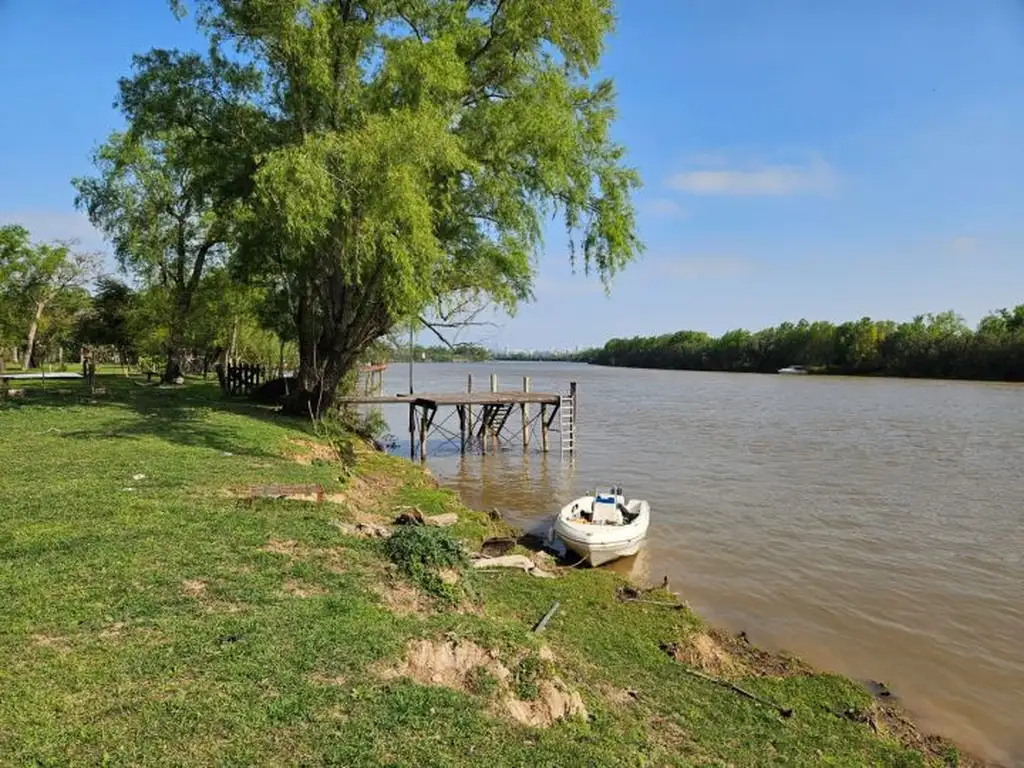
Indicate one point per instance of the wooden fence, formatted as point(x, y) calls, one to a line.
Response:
point(242, 379)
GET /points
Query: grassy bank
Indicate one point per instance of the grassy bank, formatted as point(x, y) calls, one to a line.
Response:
point(151, 616)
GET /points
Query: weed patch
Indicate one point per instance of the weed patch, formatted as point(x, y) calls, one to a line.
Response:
point(425, 554)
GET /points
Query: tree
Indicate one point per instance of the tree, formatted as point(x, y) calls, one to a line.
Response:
point(32, 276)
point(414, 151)
point(162, 219)
point(108, 321)
point(14, 249)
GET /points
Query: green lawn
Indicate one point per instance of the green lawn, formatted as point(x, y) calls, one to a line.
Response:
point(150, 618)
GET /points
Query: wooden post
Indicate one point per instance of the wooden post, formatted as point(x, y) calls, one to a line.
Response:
point(544, 427)
point(412, 431)
point(423, 435)
point(490, 429)
point(525, 410)
point(462, 427)
point(469, 408)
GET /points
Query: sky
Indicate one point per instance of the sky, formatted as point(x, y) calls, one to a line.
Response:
point(800, 159)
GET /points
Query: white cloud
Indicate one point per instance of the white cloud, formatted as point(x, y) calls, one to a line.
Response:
point(963, 246)
point(45, 225)
point(707, 267)
point(662, 206)
point(758, 180)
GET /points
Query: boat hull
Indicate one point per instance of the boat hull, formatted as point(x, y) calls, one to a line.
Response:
point(600, 544)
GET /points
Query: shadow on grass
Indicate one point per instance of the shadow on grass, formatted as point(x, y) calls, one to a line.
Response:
point(175, 414)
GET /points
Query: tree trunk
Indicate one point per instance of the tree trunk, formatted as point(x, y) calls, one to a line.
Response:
point(234, 340)
point(176, 340)
point(32, 329)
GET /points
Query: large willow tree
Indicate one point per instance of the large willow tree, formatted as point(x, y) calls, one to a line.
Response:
point(409, 155)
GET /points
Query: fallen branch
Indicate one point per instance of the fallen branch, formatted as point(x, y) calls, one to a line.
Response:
point(547, 617)
point(513, 561)
point(663, 603)
point(672, 648)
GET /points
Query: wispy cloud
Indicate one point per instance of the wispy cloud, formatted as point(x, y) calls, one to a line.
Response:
point(963, 247)
point(706, 267)
point(46, 225)
point(756, 180)
point(662, 206)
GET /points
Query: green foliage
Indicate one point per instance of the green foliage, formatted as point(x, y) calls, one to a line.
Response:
point(481, 682)
point(527, 676)
point(933, 346)
point(41, 289)
point(388, 159)
point(421, 552)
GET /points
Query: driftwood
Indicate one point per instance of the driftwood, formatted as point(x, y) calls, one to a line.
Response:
point(513, 561)
point(367, 530)
point(443, 521)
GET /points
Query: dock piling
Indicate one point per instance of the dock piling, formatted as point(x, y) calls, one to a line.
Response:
point(524, 409)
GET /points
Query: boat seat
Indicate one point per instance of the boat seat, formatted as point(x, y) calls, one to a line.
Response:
point(605, 511)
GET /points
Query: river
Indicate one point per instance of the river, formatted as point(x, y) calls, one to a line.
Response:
point(873, 526)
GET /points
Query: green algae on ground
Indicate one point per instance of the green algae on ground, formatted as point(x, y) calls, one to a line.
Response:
point(150, 619)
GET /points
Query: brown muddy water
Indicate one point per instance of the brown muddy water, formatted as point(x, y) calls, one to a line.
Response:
point(874, 527)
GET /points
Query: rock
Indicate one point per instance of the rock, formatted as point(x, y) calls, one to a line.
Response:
point(495, 547)
point(179, 380)
point(409, 516)
point(494, 514)
point(442, 521)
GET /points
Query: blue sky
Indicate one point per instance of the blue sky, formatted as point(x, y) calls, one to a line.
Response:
point(800, 158)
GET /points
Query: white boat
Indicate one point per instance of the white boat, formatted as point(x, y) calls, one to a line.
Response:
point(603, 527)
point(794, 370)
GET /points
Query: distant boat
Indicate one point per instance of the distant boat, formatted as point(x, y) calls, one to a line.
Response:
point(794, 370)
point(603, 527)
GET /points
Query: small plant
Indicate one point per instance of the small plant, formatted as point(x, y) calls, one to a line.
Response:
point(422, 552)
point(529, 672)
point(481, 682)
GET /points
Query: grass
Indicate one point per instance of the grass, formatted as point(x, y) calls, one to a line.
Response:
point(151, 619)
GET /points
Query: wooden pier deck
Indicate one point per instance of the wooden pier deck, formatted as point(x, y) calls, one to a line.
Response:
point(482, 416)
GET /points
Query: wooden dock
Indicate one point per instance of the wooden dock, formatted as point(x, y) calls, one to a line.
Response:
point(483, 416)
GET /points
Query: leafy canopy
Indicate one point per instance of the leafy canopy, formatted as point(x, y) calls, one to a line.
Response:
point(410, 150)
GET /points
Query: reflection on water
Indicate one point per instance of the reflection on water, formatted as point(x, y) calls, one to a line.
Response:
point(873, 526)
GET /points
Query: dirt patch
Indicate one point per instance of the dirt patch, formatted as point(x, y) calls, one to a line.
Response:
point(721, 654)
point(329, 680)
point(285, 547)
point(113, 631)
point(461, 664)
point(555, 702)
point(193, 587)
point(705, 653)
point(303, 589)
point(306, 452)
point(55, 642)
point(402, 598)
point(368, 492)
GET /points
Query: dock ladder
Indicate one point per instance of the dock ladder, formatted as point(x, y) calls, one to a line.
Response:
point(567, 423)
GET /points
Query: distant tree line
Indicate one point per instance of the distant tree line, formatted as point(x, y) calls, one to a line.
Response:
point(439, 353)
point(940, 346)
point(549, 356)
point(56, 305)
